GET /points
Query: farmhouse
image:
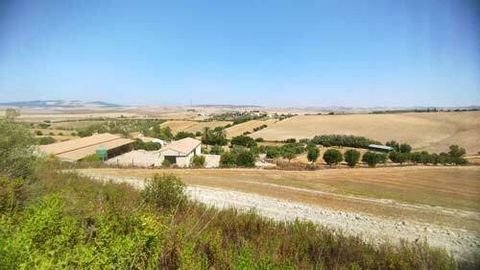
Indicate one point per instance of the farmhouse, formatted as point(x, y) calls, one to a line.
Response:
point(78, 149)
point(181, 152)
point(380, 148)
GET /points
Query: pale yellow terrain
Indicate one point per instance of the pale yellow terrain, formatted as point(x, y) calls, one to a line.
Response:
point(424, 131)
point(192, 126)
point(239, 129)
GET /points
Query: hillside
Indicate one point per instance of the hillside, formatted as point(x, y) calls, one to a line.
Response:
point(424, 131)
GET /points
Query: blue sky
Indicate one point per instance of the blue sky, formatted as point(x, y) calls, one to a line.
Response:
point(276, 53)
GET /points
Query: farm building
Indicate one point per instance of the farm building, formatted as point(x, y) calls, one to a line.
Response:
point(78, 149)
point(380, 148)
point(181, 152)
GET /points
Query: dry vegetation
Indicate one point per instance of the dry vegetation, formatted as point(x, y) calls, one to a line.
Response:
point(424, 131)
point(429, 194)
point(192, 126)
point(248, 126)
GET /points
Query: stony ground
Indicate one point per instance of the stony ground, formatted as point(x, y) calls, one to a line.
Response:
point(461, 243)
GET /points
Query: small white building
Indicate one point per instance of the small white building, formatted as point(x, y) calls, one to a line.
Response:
point(181, 152)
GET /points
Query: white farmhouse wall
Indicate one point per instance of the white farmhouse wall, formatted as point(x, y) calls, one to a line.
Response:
point(198, 150)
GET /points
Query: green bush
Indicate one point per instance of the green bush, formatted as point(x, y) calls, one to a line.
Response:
point(332, 157)
point(16, 150)
point(38, 133)
point(12, 194)
point(373, 158)
point(312, 154)
point(228, 159)
point(352, 157)
point(245, 158)
point(198, 161)
point(45, 140)
point(183, 134)
point(243, 141)
point(148, 146)
point(166, 163)
point(165, 192)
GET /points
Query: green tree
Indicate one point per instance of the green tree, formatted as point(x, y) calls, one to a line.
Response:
point(245, 158)
point(373, 158)
point(183, 134)
point(243, 140)
point(312, 154)
point(332, 157)
point(352, 157)
point(228, 159)
point(16, 150)
point(399, 157)
point(405, 148)
point(288, 154)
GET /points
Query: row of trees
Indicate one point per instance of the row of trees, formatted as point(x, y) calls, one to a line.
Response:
point(351, 157)
point(454, 156)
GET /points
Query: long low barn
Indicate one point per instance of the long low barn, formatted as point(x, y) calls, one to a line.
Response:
point(78, 149)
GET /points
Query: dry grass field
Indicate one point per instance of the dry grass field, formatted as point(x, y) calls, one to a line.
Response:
point(440, 195)
point(192, 126)
point(247, 126)
point(425, 131)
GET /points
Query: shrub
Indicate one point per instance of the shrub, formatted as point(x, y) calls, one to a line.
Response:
point(272, 152)
point(399, 157)
point(183, 134)
point(198, 134)
point(38, 133)
point(166, 163)
point(332, 156)
point(45, 140)
point(228, 159)
point(16, 150)
point(245, 159)
point(290, 140)
point(312, 154)
point(165, 192)
point(373, 158)
point(259, 139)
point(352, 157)
point(198, 161)
point(148, 146)
point(12, 194)
point(243, 140)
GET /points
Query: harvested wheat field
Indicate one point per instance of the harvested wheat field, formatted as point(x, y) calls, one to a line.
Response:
point(425, 131)
point(449, 189)
point(248, 126)
point(439, 204)
point(192, 126)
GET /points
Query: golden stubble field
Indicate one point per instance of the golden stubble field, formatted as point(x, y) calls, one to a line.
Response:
point(239, 129)
point(441, 195)
point(424, 131)
point(192, 126)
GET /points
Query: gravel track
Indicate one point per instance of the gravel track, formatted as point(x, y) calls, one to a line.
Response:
point(462, 244)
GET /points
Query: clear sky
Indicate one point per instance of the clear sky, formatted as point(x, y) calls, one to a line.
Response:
point(278, 52)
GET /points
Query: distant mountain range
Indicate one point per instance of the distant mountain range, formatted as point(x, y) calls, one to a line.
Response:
point(59, 104)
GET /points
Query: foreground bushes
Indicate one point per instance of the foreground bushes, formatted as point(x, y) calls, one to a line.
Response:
point(74, 223)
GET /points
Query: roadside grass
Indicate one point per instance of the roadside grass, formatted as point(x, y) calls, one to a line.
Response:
point(68, 221)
